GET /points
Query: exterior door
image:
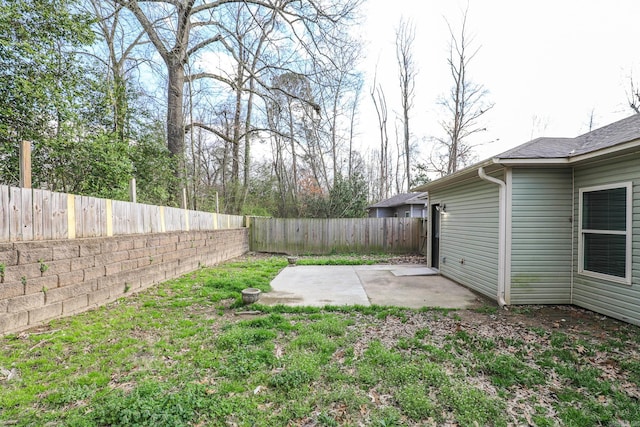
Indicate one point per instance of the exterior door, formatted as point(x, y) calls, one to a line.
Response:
point(435, 236)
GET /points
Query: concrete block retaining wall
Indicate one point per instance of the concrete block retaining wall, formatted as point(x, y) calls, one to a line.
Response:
point(44, 280)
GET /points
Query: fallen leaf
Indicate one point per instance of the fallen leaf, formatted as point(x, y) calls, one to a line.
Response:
point(278, 351)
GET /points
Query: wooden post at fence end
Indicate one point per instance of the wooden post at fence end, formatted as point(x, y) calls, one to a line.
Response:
point(25, 164)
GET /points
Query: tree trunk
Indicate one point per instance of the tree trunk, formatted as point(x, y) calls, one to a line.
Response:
point(175, 119)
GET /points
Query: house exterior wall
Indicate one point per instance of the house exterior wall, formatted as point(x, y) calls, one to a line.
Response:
point(541, 233)
point(617, 300)
point(469, 234)
point(381, 212)
point(415, 211)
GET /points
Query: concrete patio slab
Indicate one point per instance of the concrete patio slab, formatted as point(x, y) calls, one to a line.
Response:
point(314, 285)
point(412, 286)
point(414, 271)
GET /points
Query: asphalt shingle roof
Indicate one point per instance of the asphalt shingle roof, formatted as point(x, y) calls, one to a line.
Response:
point(619, 132)
point(398, 200)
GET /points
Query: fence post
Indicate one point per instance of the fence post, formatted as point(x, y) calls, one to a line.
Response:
point(71, 216)
point(25, 164)
point(186, 209)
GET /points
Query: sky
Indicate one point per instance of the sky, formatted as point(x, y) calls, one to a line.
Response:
point(548, 65)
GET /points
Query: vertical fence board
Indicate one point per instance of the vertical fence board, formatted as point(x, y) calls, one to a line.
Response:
point(101, 226)
point(37, 214)
point(47, 215)
point(323, 236)
point(59, 224)
point(15, 217)
point(4, 213)
point(26, 211)
point(90, 216)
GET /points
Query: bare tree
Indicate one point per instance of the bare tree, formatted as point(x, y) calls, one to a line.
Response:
point(464, 105)
point(182, 30)
point(380, 104)
point(120, 38)
point(405, 36)
point(633, 96)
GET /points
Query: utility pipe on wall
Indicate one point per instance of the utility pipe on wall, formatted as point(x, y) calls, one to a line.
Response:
point(502, 233)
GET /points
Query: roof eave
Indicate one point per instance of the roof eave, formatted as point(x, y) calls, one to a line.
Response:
point(461, 175)
point(472, 171)
point(615, 149)
point(532, 162)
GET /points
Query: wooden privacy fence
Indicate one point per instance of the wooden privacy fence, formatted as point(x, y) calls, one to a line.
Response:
point(344, 235)
point(31, 214)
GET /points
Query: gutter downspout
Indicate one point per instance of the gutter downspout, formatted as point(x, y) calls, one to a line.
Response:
point(502, 233)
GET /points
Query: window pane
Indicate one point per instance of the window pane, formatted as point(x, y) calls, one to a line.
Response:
point(605, 209)
point(605, 253)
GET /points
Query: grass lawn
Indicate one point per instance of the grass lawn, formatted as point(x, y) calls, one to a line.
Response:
point(184, 354)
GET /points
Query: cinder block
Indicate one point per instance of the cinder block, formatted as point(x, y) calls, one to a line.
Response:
point(38, 284)
point(129, 265)
point(140, 242)
point(170, 269)
point(165, 249)
point(109, 245)
point(56, 267)
point(75, 304)
point(149, 277)
point(108, 258)
point(25, 302)
point(188, 265)
point(16, 272)
point(88, 248)
point(45, 313)
point(125, 243)
point(106, 281)
point(83, 262)
point(93, 272)
point(184, 245)
point(8, 254)
point(98, 297)
point(11, 289)
point(170, 256)
point(69, 292)
point(143, 262)
point(65, 251)
point(29, 255)
point(111, 269)
point(13, 321)
point(142, 253)
point(169, 240)
point(70, 278)
point(185, 236)
point(188, 253)
point(153, 242)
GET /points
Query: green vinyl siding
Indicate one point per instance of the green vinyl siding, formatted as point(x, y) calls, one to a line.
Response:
point(614, 299)
point(541, 229)
point(469, 234)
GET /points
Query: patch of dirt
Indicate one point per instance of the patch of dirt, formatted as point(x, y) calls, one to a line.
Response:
point(394, 259)
point(565, 318)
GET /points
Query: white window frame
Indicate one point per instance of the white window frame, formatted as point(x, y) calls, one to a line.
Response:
point(407, 214)
point(628, 233)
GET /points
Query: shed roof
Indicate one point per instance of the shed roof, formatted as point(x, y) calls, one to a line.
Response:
point(399, 200)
